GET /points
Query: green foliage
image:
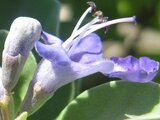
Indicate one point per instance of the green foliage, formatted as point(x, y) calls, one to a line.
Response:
point(27, 73)
point(116, 100)
point(22, 116)
point(3, 35)
point(54, 106)
point(46, 11)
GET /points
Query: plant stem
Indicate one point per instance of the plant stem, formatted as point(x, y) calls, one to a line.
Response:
point(5, 106)
point(5, 113)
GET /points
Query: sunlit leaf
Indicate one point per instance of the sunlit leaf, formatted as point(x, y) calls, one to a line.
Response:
point(113, 101)
point(22, 116)
point(56, 104)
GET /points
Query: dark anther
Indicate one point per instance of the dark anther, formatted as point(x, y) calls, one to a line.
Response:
point(93, 5)
point(98, 13)
point(105, 19)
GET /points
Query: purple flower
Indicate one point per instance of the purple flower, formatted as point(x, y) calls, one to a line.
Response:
point(80, 55)
point(67, 65)
point(63, 62)
point(136, 70)
point(61, 66)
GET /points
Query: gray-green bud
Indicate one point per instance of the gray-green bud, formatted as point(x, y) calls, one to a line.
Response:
point(23, 34)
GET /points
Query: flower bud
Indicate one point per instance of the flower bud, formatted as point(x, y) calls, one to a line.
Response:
point(23, 34)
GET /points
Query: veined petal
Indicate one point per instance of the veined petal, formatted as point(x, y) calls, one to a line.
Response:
point(125, 64)
point(132, 69)
point(88, 50)
point(148, 64)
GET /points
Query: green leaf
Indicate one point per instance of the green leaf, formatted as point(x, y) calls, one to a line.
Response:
point(115, 101)
point(22, 116)
point(143, 117)
point(24, 80)
point(3, 35)
point(46, 11)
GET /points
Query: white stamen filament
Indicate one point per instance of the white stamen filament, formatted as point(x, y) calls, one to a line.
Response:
point(88, 29)
point(94, 21)
point(76, 41)
point(69, 41)
point(81, 19)
point(94, 28)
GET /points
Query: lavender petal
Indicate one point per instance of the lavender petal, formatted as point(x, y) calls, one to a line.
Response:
point(88, 50)
point(132, 69)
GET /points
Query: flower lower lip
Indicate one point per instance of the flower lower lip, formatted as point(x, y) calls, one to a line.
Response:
point(136, 70)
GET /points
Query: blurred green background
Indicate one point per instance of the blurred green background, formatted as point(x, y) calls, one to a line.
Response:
point(60, 17)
